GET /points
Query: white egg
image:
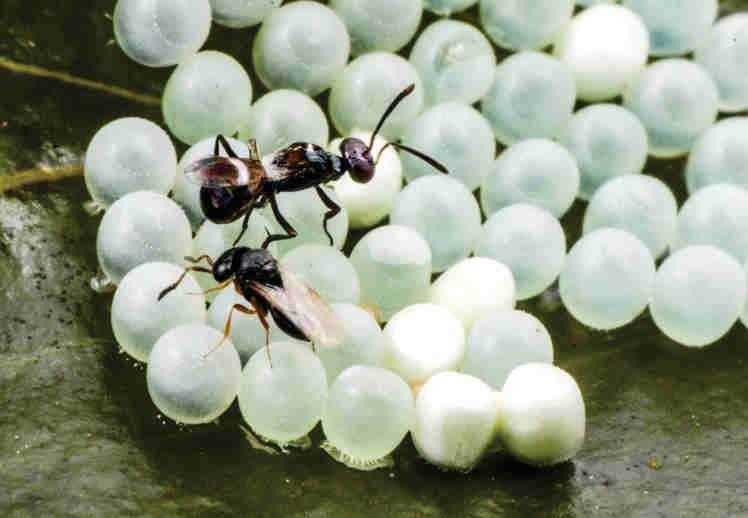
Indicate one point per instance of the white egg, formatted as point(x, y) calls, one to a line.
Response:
point(379, 24)
point(529, 24)
point(719, 155)
point(242, 13)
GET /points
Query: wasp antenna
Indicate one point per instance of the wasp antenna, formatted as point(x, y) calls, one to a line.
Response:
point(432, 162)
point(402, 95)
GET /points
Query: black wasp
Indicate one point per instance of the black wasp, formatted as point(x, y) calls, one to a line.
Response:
point(269, 288)
point(233, 186)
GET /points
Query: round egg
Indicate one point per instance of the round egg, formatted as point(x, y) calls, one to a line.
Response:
point(530, 24)
point(187, 193)
point(305, 212)
point(161, 33)
point(128, 155)
point(238, 14)
point(421, 340)
point(141, 227)
point(528, 240)
point(607, 279)
point(190, 380)
point(606, 49)
point(723, 53)
point(455, 61)
point(474, 287)
point(675, 27)
point(541, 418)
point(368, 412)
point(607, 141)
point(365, 89)
point(363, 342)
point(281, 396)
point(301, 46)
point(394, 267)
point(326, 270)
point(699, 293)
point(455, 420)
point(532, 96)
point(719, 155)
point(676, 100)
point(208, 94)
point(444, 212)
point(282, 117)
point(447, 7)
point(455, 135)
point(502, 340)
point(139, 319)
point(715, 215)
point(642, 205)
point(369, 203)
point(535, 171)
point(379, 24)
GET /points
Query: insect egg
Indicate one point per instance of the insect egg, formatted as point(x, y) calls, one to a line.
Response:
point(719, 155)
point(242, 13)
point(379, 24)
point(530, 24)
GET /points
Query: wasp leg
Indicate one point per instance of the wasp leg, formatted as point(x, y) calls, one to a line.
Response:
point(245, 222)
point(334, 209)
point(227, 327)
point(262, 315)
point(290, 231)
point(195, 260)
point(217, 288)
point(220, 139)
point(254, 151)
point(174, 285)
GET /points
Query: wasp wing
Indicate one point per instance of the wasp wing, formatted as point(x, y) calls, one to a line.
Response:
point(304, 308)
point(218, 172)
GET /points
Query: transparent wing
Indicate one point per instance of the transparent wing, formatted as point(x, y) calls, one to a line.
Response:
point(304, 308)
point(218, 171)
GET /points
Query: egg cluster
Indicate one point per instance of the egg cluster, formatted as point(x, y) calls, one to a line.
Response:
point(440, 265)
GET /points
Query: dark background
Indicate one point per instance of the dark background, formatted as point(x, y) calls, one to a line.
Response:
point(667, 426)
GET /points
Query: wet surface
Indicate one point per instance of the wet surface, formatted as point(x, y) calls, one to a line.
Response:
point(667, 427)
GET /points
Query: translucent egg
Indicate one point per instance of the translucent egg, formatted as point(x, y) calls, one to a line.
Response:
point(447, 7)
point(699, 293)
point(530, 241)
point(421, 340)
point(213, 239)
point(642, 205)
point(139, 318)
point(246, 333)
point(723, 53)
point(715, 215)
point(301, 46)
point(141, 227)
point(530, 24)
point(161, 33)
point(675, 27)
point(719, 155)
point(606, 48)
point(242, 13)
point(394, 267)
point(536, 171)
point(207, 94)
point(326, 270)
point(607, 141)
point(305, 212)
point(366, 88)
point(186, 193)
point(189, 380)
point(502, 340)
point(379, 24)
point(532, 96)
point(474, 287)
point(128, 155)
point(454, 420)
point(368, 412)
point(541, 415)
point(455, 61)
point(445, 213)
point(457, 136)
point(363, 343)
point(369, 203)
point(281, 398)
point(282, 117)
point(607, 278)
point(676, 100)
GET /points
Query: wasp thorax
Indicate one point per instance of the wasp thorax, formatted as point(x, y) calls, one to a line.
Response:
point(358, 156)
